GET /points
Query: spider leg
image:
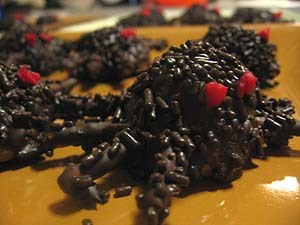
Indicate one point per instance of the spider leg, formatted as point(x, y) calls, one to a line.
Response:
point(77, 179)
point(168, 176)
point(83, 134)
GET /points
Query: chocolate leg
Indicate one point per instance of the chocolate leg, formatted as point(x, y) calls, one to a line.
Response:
point(71, 107)
point(295, 130)
point(168, 176)
point(80, 134)
point(64, 86)
point(77, 179)
point(155, 202)
point(85, 134)
point(158, 45)
point(276, 117)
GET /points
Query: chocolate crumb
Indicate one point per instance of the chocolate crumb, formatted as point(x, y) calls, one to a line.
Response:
point(122, 191)
point(86, 222)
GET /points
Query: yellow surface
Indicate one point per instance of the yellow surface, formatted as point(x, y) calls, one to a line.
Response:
point(266, 195)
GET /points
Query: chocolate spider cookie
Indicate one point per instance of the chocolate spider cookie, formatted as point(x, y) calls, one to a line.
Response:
point(111, 54)
point(46, 20)
point(252, 48)
point(253, 15)
point(145, 17)
point(23, 44)
point(194, 114)
point(30, 109)
point(199, 14)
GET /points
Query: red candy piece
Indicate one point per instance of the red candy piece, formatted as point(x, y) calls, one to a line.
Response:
point(30, 38)
point(247, 84)
point(145, 12)
point(46, 37)
point(127, 33)
point(216, 10)
point(215, 94)
point(277, 15)
point(264, 34)
point(27, 76)
point(19, 17)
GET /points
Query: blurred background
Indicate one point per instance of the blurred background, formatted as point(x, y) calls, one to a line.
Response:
point(88, 15)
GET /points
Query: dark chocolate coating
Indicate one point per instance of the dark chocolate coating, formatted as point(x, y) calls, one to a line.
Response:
point(122, 191)
point(139, 19)
point(43, 56)
point(198, 14)
point(258, 55)
point(47, 19)
point(105, 55)
point(87, 222)
point(29, 113)
point(253, 15)
point(53, 4)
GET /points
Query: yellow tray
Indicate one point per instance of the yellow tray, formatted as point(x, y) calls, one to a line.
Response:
point(266, 195)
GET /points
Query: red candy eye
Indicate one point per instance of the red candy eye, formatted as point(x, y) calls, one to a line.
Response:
point(264, 34)
point(215, 94)
point(27, 76)
point(145, 12)
point(30, 38)
point(216, 10)
point(247, 84)
point(46, 37)
point(19, 17)
point(127, 33)
point(277, 15)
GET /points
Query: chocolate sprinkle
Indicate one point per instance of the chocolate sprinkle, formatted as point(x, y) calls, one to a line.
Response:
point(256, 53)
point(122, 191)
point(87, 222)
point(43, 55)
point(145, 17)
point(198, 14)
point(254, 15)
point(29, 114)
point(106, 55)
